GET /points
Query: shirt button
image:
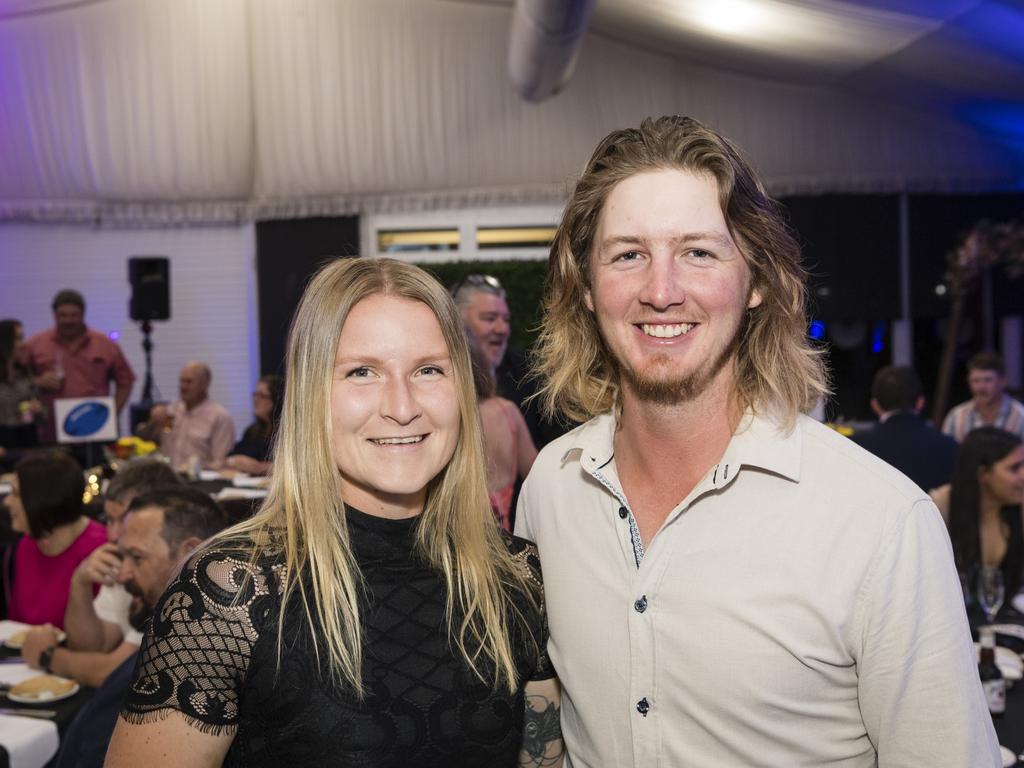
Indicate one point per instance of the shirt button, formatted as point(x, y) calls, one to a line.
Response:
point(623, 512)
point(640, 605)
point(643, 707)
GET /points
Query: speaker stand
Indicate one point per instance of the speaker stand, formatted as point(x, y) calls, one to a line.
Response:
point(147, 347)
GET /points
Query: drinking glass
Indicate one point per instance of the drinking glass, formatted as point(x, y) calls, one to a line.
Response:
point(990, 591)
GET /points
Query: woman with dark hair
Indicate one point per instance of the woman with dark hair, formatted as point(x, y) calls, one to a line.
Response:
point(985, 507)
point(18, 404)
point(45, 504)
point(252, 454)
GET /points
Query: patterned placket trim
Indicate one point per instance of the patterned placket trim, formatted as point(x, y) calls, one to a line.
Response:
point(634, 530)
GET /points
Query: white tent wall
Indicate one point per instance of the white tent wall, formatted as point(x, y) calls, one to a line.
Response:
point(191, 111)
point(213, 297)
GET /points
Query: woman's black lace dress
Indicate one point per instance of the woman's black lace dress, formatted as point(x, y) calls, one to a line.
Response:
point(217, 665)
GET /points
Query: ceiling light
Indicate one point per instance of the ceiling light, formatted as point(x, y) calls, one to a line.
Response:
point(732, 17)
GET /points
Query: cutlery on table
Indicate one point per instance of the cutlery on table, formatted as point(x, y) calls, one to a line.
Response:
point(26, 712)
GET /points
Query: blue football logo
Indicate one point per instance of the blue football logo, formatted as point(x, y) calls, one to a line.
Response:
point(86, 419)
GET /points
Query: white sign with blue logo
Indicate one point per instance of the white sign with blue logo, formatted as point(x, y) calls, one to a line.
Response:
point(85, 419)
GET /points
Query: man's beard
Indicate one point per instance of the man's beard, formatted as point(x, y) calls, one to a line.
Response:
point(139, 613)
point(672, 391)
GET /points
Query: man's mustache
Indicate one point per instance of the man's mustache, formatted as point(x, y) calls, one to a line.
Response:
point(133, 588)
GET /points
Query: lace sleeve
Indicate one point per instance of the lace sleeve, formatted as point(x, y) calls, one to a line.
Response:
point(524, 554)
point(195, 657)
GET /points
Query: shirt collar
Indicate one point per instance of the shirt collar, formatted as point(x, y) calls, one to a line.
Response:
point(81, 341)
point(758, 443)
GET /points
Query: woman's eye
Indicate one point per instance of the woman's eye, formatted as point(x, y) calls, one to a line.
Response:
point(628, 256)
point(432, 370)
point(361, 372)
point(700, 254)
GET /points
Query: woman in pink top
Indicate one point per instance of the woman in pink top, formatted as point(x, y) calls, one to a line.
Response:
point(45, 504)
point(508, 446)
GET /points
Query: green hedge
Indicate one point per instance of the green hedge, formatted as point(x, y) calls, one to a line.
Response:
point(523, 282)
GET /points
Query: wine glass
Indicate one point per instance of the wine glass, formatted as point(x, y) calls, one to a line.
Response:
point(990, 591)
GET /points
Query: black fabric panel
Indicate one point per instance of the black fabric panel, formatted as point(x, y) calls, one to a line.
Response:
point(288, 252)
point(851, 247)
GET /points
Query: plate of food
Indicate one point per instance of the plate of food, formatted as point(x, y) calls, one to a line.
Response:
point(15, 640)
point(1009, 759)
point(42, 689)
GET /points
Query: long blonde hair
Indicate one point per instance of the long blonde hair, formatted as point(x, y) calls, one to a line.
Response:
point(776, 365)
point(303, 516)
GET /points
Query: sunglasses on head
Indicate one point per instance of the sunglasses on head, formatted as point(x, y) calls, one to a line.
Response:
point(477, 281)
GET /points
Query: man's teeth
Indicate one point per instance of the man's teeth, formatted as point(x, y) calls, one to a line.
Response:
point(398, 440)
point(667, 331)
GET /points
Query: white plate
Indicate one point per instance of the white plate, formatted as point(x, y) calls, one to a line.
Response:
point(15, 643)
point(1008, 757)
point(45, 699)
point(1010, 630)
point(1009, 663)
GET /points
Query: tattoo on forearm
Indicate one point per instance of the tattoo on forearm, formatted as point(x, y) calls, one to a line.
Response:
point(542, 734)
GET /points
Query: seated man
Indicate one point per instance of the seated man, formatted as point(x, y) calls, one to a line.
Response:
point(160, 530)
point(193, 426)
point(100, 635)
point(989, 404)
point(902, 438)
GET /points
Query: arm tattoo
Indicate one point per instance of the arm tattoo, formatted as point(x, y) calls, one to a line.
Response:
point(542, 734)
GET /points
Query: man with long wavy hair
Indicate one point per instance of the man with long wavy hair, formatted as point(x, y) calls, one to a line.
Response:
point(727, 581)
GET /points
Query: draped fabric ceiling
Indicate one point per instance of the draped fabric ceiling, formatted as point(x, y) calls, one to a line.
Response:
point(202, 111)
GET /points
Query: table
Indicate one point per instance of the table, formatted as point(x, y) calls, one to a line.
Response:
point(1010, 727)
point(65, 709)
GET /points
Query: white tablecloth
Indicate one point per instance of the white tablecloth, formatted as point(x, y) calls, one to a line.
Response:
point(30, 742)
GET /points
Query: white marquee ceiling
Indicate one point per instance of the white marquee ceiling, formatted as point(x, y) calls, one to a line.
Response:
point(192, 110)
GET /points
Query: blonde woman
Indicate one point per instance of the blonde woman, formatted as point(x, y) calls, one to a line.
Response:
point(371, 614)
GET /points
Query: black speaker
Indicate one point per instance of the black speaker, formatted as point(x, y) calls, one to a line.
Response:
point(150, 277)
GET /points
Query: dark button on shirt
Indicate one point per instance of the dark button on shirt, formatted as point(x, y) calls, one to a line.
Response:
point(640, 605)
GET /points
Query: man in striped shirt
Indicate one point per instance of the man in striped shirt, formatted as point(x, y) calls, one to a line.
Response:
point(989, 404)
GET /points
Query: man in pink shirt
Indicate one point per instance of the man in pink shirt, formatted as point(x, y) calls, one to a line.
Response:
point(194, 425)
point(72, 360)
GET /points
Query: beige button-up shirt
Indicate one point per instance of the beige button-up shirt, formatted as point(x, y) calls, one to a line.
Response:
point(206, 431)
point(799, 607)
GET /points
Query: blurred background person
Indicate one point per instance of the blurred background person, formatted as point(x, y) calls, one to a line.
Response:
point(902, 438)
point(989, 404)
point(252, 453)
point(985, 508)
point(73, 360)
point(19, 406)
point(161, 529)
point(484, 308)
point(100, 633)
point(45, 504)
point(194, 426)
point(508, 447)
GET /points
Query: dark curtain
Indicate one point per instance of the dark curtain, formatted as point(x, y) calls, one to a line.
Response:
point(288, 252)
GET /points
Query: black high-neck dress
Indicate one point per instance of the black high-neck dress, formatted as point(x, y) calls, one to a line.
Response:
point(211, 655)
